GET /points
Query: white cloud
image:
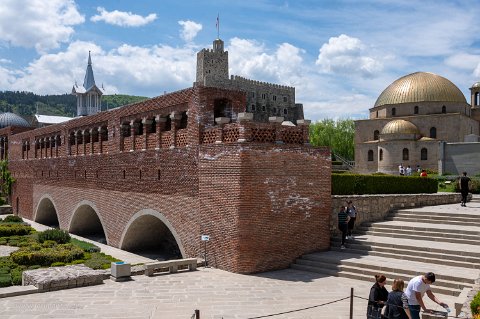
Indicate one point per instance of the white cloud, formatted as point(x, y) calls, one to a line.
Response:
point(123, 19)
point(38, 23)
point(189, 30)
point(347, 55)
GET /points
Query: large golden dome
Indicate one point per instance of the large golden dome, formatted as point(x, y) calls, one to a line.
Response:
point(400, 127)
point(420, 87)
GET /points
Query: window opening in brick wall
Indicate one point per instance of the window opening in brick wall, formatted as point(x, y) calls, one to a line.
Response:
point(222, 108)
point(124, 173)
point(138, 127)
point(96, 174)
point(95, 135)
point(168, 124)
point(140, 174)
point(85, 174)
point(152, 128)
point(104, 133)
point(158, 174)
point(126, 131)
point(183, 121)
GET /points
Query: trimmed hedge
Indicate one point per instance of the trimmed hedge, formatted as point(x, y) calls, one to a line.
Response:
point(7, 230)
point(350, 184)
point(12, 219)
point(46, 256)
point(58, 235)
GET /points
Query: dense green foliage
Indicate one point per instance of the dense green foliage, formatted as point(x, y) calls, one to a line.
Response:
point(57, 235)
point(99, 260)
point(349, 184)
point(475, 304)
point(6, 180)
point(12, 219)
point(45, 256)
point(338, 135)
point(474, 185)
point(26, 103)
point(87, 247)
point(7, 229)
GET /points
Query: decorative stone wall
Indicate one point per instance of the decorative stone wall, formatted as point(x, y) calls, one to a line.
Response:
point(373, 208)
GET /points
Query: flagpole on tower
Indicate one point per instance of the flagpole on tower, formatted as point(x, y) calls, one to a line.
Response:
point(218, 26)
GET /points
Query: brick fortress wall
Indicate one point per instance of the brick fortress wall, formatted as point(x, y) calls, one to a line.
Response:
point(264, 201)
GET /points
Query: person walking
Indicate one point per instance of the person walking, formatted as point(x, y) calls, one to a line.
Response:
point(343, 224)
point(352, 214)
point(464, 187)
point(397, 302)
point(377, 298)
point(415, 291)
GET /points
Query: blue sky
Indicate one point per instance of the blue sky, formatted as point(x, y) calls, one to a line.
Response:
point(340, 55)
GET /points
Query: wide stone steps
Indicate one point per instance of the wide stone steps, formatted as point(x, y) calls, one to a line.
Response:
point(366, 268)
point(426, 217)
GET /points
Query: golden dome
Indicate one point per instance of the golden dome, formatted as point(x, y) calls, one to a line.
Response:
point(420, 87)
point(400, 127)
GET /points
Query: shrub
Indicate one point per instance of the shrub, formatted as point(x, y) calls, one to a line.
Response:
point(7, 230)
point(349, 184)
point(86, 246)
point(12, 219)
point(57, 235)
point(475, 304)
point(78, 261)
point(3, 241)
point(46, 256)
point(49, 243)
point(99, 261)
point(17, 275)
point(5, 280)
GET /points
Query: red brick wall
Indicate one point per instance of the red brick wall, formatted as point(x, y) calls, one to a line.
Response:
point(264, 204)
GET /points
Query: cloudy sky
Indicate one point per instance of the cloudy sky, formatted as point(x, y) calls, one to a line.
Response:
point(340, 55)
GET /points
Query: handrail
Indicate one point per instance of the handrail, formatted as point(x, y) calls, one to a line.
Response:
point(350, 164)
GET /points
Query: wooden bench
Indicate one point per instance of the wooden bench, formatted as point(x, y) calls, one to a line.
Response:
point(172, 265)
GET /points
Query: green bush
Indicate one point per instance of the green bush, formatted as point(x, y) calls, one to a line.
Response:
point(99, 261)
point(7, 230)
point(349, 184)
point(78, 261)
point(12, 219)
point(46, 256)
point(49, 243)
point(86, 246)
point(5, 280)
point(474, 185)
point(17, 276)
point(475, 304)
point(57, 235)
point(57, 264)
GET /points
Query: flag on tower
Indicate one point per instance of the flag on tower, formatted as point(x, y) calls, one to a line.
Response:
point(217, 25)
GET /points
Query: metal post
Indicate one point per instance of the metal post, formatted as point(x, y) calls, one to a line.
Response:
point(197, 314)
point(206, 265)
point(351, 303)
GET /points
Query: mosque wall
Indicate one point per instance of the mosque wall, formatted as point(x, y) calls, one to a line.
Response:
point(455, 158)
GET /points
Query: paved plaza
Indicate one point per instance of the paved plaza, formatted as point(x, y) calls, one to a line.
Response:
point(216, 293)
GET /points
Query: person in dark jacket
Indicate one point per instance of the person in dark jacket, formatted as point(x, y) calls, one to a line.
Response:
point(378, 297)
point(397, 302)
point(343, 224)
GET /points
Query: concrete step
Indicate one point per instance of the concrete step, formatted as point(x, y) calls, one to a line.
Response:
point(433, 214)
point(473, 240)
point(439, 259)
point(354, 273)
point(433, 219)
point(423, 227)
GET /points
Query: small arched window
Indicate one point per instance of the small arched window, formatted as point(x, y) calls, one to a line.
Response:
point(394, 111)
point(375, 135)
point(380, 155)
point(370, 155)
point(424, 154)
point(433, 132)
point(415, 110)
point(405, 154)
point(444, 109)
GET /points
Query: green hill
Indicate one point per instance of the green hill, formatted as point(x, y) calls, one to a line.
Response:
point(27, 103)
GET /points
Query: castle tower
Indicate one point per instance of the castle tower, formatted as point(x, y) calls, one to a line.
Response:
point(89, 96)
point(212, 65)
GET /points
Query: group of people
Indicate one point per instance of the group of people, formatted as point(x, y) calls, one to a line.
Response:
point(407, 171)
point(398, 304)
point(346, 221)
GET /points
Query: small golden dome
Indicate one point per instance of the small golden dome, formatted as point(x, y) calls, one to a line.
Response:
point(400, 127)
point(420, 87)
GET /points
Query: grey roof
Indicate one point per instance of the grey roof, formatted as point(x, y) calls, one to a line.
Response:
point(11, 119)
point(89, 80)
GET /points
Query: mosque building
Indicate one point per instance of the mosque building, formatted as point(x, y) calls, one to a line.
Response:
point(420, 120)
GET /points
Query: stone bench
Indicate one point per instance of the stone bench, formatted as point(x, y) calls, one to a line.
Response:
point(172, 265)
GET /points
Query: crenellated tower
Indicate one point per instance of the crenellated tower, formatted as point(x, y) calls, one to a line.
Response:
point(212, 64)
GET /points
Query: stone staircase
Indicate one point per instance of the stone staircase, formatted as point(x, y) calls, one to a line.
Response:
point(442, 239)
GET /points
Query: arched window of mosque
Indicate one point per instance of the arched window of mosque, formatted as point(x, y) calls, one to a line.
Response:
point(433, 132)
point(415, 109)
point(370, 155)
point(394, 111)
point(375, 135)
point(380, 156)
point(444, 109)
point(424, 154)
point(405, 154)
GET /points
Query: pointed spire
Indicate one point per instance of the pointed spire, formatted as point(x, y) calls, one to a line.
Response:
point(89, 80)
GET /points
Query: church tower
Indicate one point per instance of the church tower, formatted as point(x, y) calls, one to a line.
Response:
point(212, 64)
point(89, 96)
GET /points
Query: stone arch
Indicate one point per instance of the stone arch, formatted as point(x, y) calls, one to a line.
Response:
point(46, 212)
point(142, 232)
point(87, 222)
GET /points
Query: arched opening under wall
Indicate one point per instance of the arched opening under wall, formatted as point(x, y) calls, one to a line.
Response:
point(149, 234)
point(46, 213)
point(86, 223)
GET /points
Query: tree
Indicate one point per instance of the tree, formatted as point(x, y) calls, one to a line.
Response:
point(6, 180)
point(338, 135)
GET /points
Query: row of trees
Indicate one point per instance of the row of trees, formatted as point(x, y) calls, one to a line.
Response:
point(336, 134)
